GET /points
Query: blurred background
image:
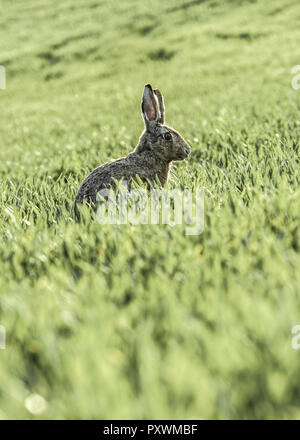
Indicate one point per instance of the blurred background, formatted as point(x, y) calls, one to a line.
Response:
point(145, 322)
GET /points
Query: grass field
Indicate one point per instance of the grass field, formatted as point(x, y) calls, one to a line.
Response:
point(144, 321)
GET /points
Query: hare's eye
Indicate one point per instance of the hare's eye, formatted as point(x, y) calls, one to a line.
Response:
point(168, 136)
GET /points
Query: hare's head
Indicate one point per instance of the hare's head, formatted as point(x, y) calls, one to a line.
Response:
point(164, 141)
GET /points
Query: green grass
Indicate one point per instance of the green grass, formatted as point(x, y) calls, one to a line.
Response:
point(144, 321)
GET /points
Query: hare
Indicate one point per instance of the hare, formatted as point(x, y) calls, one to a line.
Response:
point(158, 146)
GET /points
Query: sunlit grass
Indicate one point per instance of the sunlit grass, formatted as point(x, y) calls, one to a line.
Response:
point(144, 321)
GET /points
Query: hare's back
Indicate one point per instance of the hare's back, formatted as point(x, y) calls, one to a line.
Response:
point(105, 175)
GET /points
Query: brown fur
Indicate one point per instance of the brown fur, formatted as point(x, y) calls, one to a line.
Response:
point(151, 158)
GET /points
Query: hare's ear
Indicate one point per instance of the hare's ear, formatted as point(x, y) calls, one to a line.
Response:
point(160, 98)
point(149, 106)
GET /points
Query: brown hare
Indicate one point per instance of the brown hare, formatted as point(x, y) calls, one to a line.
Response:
point(158, 146)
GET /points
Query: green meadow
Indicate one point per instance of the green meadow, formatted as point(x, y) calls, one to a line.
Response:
point(144, 321)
